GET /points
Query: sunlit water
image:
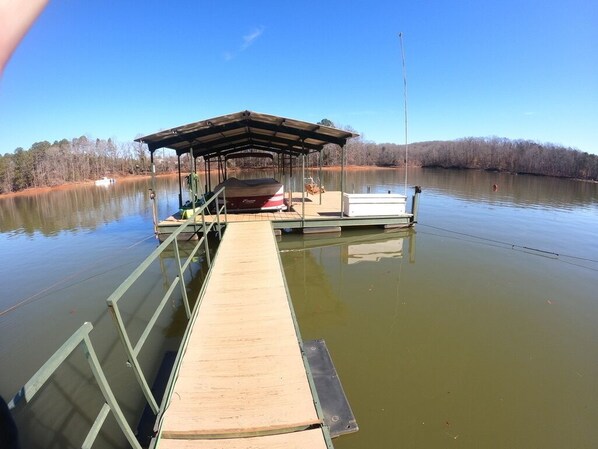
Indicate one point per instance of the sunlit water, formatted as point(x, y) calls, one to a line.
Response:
point(477, 329)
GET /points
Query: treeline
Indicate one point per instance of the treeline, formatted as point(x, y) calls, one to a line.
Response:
point(83, 159)
point(77, 160)
point(496, 154)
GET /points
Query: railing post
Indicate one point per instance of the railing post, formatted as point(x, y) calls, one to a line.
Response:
point(79, 339)
point(218, 220)
point(205, 237)
point(225, 209)
point(147, 392)
point(177, 256)
point(98, 373)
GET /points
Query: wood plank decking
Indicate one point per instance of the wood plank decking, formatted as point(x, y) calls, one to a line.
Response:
point(308, 439)
point(328, 213)
point(242, 380)
point(330, 207)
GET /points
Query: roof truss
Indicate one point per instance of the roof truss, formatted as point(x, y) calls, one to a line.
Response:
point(247, 130)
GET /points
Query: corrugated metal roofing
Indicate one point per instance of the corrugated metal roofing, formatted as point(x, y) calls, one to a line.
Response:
point(247, 130)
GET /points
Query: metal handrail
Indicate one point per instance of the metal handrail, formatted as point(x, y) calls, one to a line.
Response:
point(205, 227)
point(79, 338)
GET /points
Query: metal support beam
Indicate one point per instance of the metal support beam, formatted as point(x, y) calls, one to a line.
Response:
point(153, 193)
point(153, 169)
point(206, 170)
point(320, 175)
point(193, 177)
point(79, 339)
point(302, 184)
point(178, 156)
point(342, 180)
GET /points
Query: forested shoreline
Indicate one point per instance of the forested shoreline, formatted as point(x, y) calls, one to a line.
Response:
point(83, 159)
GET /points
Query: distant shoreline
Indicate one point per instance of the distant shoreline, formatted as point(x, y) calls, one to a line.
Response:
point(72, 185)
point(336, 168)
point(127, 178)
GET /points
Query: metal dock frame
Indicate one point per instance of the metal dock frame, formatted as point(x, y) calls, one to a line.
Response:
point(79, 338)
point(204, 228)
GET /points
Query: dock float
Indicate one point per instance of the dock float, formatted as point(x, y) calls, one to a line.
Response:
point(243, 380)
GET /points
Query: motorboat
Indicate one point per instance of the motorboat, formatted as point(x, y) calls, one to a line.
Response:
point(253, 195)
point(104, 181)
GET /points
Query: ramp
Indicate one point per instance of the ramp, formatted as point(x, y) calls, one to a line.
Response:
point(242, 380)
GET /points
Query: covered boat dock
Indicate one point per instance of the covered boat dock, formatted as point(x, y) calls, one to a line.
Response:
point(288, 142)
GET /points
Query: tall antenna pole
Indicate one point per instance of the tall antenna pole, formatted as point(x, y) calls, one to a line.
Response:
point(405, 99)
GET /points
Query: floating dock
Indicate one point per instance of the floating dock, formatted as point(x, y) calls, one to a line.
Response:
point(243, 381)
point(316, 212)
point(289, 144)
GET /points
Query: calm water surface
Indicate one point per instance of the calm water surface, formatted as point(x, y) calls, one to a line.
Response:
point(477, 329)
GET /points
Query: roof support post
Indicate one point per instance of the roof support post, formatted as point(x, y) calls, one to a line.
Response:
point(342, 179)
point(287, 181)
point(192, 178)
point(302, 188)
point(178, 157)
point(153, 170)
point(320, 175)
point(205, 175)
point(280, 157)
point(208, 168)
point(153, 193)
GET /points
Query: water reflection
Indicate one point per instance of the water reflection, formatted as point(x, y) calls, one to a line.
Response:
point(474, 185)
point(80, 208)
point(369, 245)
point(465, 346)
point(319, 268)
point(373, 252)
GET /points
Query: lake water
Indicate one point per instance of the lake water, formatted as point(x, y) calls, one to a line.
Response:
point(475, 329)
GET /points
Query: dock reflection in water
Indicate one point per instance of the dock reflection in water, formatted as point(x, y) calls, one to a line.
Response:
point(357, 245)
point(319, 268)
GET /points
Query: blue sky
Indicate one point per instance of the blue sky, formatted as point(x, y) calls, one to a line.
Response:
point(120, 69)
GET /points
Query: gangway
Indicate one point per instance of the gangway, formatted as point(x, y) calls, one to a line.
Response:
point(243, 380)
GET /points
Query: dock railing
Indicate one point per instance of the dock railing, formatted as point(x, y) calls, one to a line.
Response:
point(37, 381)
point(202, 227)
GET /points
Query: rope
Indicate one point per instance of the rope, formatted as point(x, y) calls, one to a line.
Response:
point(40, 294)
point(512, 245)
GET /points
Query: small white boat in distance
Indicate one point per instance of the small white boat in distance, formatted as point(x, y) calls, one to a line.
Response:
point(104, 181)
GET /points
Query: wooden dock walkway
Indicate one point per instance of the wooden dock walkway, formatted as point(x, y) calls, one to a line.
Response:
point(242, 381)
